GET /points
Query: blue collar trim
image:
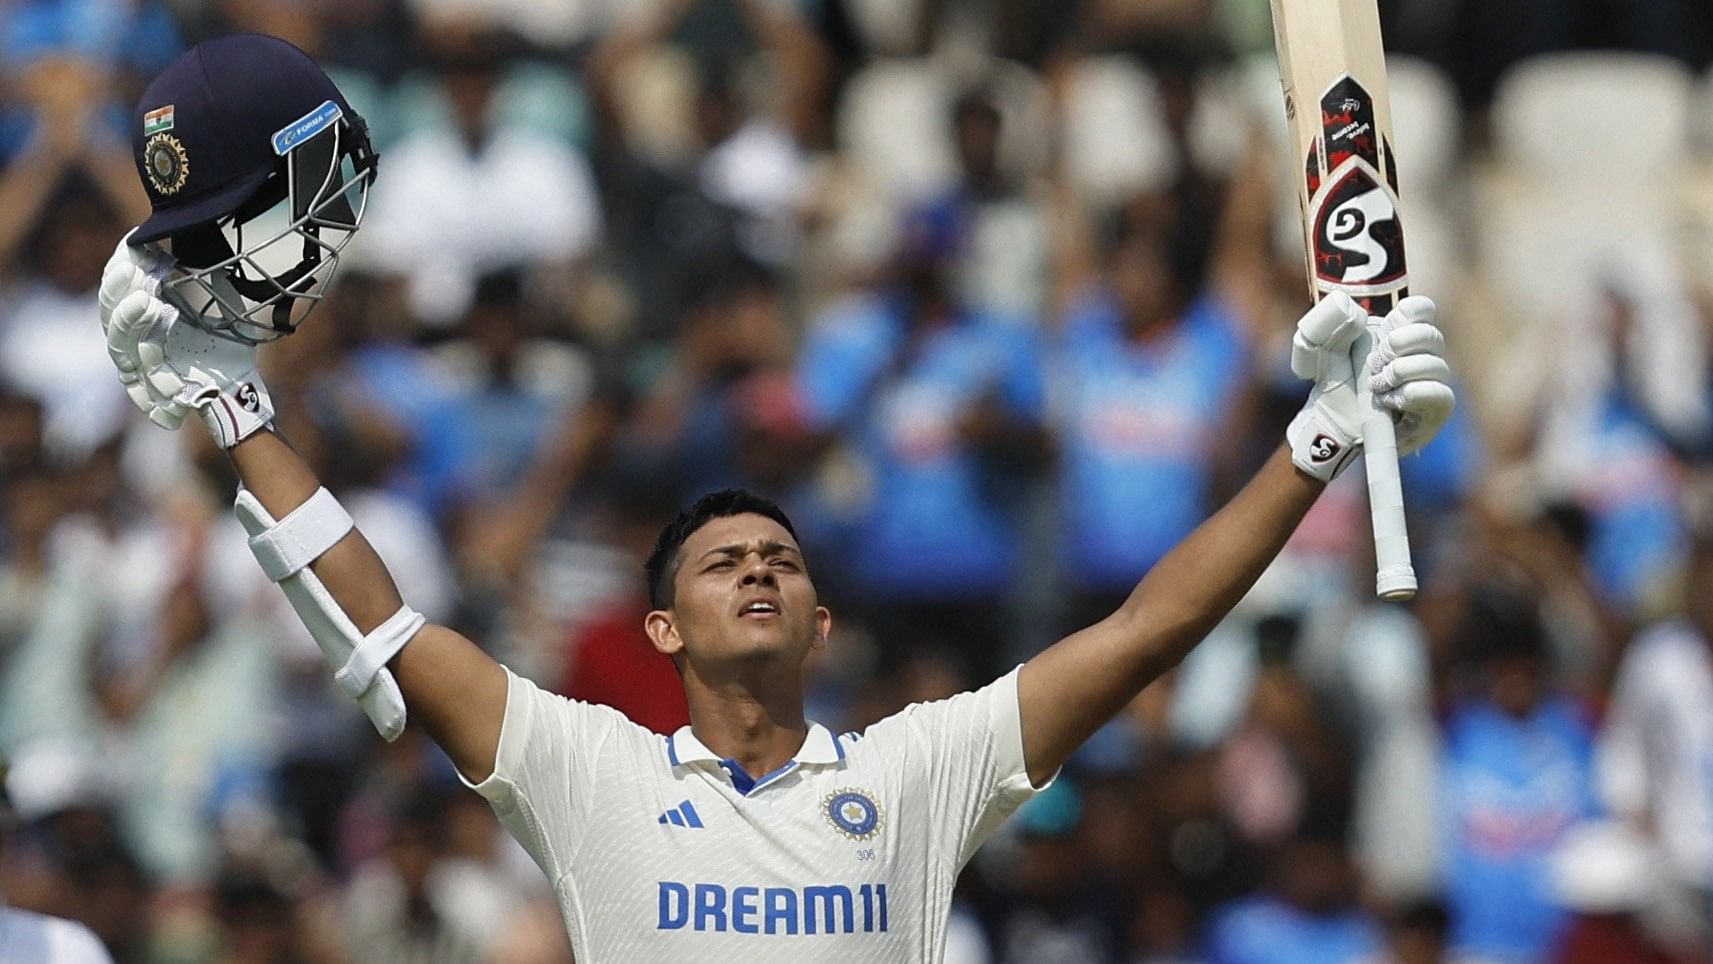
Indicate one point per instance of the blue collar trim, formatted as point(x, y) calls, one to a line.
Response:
point(746, 784)
point(820, 748)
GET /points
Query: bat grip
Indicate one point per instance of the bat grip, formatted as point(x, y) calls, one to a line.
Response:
point(1395, 577)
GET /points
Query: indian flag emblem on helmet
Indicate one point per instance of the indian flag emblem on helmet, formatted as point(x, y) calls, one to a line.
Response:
point(158, 121)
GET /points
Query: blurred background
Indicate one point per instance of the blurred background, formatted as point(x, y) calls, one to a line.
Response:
point(995, 297)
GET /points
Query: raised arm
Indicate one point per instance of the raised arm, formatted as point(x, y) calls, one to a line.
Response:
point(380, 650)
point(456, 692)
point(1071, 689)
point(800, 58)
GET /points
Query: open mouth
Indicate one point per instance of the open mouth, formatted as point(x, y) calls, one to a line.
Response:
point(759, 609)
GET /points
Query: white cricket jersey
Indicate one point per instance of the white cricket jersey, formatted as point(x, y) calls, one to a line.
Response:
point(658, 853)
point(29, 938)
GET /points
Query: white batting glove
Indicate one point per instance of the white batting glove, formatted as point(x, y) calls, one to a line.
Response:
point(170, 367)
point(1408, 373)
point(1403, 361)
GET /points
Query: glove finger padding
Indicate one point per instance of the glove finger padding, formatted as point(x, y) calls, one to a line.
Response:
point(1421, 409)
point(135, 315)
point(1415, 338)
point(1409, 368)
point(1324, 336)
point(168, 367)
point(1409, 374)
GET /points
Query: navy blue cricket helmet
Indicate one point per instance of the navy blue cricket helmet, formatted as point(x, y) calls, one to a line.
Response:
point(258, 173)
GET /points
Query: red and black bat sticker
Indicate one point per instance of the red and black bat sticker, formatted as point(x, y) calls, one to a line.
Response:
point(1357, 238)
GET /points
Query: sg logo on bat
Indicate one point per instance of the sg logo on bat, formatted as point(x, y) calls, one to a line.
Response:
point(1357, 238)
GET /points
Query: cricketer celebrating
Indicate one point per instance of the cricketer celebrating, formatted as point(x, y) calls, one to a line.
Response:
point(752, 834)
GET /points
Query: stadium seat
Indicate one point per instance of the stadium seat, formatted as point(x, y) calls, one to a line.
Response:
point(893, 128)
point(886, 27)
point(1027, 133)
point(547, 98)
point(1619, 119)
point(1545, 255)
point(535, 96)
point(1428, 126)
point(1221, 124)
point(1257, 77)
point(1427, 123)
point(1113, 136)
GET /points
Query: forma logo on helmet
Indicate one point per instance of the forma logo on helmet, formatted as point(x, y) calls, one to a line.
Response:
point(258, 172)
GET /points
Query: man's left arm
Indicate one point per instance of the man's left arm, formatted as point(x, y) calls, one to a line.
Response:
point(1071, 689)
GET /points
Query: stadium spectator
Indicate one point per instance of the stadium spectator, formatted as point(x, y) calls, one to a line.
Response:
point(1516, 776)
point(1657, 743)
point(697, 168)
point(1309, 912)
point(47, 307)
point(1602, 874)
point(944, 407)
point(191, 787)
point(687, 423)
point(1148, 375)
point(995, 213)
point(403, 907)
point(479, 196)
point(507, 386)
point(1057, 913)
point(81, 64)
point(1416, 933)
point(1618, 406)
point(612, 661)
point(27, 936)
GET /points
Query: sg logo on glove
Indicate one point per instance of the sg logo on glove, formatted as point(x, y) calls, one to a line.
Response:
point(1324, 448)
point(248, 397)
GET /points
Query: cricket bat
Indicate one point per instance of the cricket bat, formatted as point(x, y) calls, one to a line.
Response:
point(1340, 115)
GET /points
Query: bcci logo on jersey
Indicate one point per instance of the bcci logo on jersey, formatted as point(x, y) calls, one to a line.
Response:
point(853, 813)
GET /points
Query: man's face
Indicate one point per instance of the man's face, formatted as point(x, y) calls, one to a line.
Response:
point(1141, 284)
point(77, 247)
point(1516, 683)
point(741, 593)
point(976, 133)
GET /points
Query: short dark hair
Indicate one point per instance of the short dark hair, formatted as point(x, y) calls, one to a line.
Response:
point(977, 103)
point(1502, 622)
point(662, 564)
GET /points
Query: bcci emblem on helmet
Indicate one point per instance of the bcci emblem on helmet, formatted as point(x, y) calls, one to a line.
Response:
point(853, 813)
point(166, 163)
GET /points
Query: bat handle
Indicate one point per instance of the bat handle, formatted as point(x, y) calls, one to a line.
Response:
point(1395, 577)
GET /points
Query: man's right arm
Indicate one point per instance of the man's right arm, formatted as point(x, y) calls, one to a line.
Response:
point(453, 689)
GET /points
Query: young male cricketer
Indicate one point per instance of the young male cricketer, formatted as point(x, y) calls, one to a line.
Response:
point(753, 833)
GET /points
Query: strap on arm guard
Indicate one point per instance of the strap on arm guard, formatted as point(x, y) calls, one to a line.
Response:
point(285, 549)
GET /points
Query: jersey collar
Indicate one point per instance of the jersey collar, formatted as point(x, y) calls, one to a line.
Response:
point(820, 748)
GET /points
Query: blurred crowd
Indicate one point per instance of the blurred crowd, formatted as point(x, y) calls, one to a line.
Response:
point(995, 297)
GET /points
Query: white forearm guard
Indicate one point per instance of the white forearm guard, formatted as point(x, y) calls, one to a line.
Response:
point(285, 549)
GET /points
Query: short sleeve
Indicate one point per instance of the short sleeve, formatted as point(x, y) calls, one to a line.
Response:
point(547, 747)
point(965, 758)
